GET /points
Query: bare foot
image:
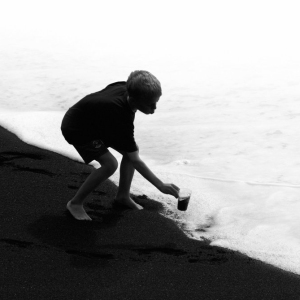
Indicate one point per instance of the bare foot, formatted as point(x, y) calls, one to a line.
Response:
point(77, 211)
point(129, 203)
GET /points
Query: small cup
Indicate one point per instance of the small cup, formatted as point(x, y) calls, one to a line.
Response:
point(183, 199)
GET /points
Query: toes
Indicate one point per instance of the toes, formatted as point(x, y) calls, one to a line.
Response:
point(78, 212)
point(128, 203)
point(83, 218)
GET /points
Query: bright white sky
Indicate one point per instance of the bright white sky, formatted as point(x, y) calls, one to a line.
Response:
point(231, 29)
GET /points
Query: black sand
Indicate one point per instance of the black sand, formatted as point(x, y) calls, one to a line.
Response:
point(122, 254)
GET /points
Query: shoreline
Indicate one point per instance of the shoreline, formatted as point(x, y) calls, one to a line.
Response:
point(122, 254)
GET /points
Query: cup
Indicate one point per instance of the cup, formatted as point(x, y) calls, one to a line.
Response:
point(183, 199)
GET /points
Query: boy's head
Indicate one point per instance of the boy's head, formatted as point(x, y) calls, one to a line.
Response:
point(144, 90)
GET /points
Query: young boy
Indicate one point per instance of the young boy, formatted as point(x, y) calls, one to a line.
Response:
point(105, 119)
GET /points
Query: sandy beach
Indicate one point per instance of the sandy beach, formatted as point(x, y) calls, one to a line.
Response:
point(122, 254)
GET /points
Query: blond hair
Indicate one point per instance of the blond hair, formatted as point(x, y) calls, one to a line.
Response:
point(143, 85)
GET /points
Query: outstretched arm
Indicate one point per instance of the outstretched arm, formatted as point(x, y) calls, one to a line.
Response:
point(142, 168)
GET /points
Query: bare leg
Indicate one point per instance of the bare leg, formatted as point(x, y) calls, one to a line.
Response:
point(126, 175)
point(108, 166)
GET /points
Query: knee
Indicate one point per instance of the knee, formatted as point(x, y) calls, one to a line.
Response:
point(110, 165)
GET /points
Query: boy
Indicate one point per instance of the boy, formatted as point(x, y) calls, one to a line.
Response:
point(105, 119)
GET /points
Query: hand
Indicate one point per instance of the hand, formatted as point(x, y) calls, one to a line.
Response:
point(170, 189)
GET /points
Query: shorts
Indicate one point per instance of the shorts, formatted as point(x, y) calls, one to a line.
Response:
point(91, 151)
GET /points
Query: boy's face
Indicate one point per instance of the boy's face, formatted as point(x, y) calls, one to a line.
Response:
point(147, 106)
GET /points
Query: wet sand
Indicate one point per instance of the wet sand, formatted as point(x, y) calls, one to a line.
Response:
point(122, 254)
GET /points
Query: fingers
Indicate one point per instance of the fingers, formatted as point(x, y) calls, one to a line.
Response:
point(175, 187)
point(171, 189)
point(175, 190)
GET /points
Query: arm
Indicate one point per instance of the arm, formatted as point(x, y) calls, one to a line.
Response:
point(143, 169)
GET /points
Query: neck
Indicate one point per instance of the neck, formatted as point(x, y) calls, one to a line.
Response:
point(131, 104)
